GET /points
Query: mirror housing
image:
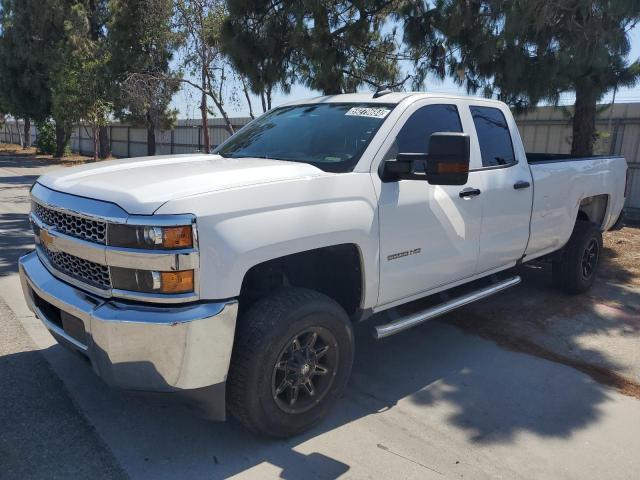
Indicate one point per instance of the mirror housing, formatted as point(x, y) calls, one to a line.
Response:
point(446, 164)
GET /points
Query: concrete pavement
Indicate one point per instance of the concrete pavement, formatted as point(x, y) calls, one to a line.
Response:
point(432, 402)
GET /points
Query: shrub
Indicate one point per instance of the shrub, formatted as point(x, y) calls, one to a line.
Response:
point(46, 138)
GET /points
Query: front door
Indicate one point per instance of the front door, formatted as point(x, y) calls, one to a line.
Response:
point(429, 235)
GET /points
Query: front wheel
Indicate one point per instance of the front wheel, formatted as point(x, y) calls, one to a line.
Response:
point(291, 360)
point(576, 270)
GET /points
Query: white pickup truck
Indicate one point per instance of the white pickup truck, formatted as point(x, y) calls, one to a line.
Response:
point(233, 280)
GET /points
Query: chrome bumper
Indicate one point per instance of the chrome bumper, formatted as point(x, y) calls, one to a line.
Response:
point(152, 348)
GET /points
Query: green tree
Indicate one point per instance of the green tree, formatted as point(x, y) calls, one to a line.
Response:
point(528, 51)
point(330, 46)
point(141, 44)
point(30, 33)
point(259, 43)
point(79, 84)
point(98, 15)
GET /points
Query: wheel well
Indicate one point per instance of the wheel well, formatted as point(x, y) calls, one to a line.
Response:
point(593, 209)
point(335, 271)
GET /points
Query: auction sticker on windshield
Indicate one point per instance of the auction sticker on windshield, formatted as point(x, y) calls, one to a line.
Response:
point(368, 112)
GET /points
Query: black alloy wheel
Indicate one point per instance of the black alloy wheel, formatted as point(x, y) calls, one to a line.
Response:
point(305, 370)
point(590, 258)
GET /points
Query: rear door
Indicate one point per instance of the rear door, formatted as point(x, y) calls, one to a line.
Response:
point(506, 186)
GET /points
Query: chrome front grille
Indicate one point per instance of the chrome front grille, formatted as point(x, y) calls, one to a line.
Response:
point(74, 225)
point(71, 240)
point(83, 270)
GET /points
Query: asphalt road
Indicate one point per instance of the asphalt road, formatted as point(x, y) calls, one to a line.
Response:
point(432, 402)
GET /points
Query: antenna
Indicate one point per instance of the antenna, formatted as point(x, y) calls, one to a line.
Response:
point(387, 89)
point(380, 91)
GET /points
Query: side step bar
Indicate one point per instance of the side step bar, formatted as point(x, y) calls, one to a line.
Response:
point(404, 323)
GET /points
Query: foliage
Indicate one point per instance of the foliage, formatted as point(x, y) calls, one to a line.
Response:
point(526, 51)
point(80, 82)
point(331, 46)
point(30, 33)
point(141, 46)
point(46, 139)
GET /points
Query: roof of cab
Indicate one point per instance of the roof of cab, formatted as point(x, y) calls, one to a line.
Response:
point(388, 98)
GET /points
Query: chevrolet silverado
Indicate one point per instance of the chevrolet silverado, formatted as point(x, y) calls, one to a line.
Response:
point(232, 280)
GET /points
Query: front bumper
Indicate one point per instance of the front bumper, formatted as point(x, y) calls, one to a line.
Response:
point(174, 349)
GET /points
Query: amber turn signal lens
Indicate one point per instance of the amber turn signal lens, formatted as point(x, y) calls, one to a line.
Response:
point(177, 237)
point(452, 167)
point(177, 282)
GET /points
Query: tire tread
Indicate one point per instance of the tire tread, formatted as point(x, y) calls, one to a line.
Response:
point(251, 331)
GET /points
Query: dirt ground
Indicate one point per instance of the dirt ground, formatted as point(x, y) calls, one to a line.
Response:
point(597, 332)
point(622, 256)
point(13, 150)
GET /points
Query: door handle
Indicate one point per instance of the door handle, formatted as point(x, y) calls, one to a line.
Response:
point(469, 192)
point(521, 184)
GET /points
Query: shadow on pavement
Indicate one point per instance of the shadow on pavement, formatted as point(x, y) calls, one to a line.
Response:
point(597, 332)
point(42, 433)
point(16, 240)
point(492, 395)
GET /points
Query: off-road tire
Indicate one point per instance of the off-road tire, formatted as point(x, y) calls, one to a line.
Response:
point(262, 334)
point(569, 270)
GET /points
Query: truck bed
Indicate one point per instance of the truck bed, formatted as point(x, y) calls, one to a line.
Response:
point(562, 184)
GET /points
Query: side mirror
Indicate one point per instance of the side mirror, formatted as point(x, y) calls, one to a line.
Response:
point(448, 159)
point(446, 164)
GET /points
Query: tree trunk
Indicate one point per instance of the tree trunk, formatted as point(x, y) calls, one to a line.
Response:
point(105, 147)
point(584, 121)
point(96, 142)
point(19, 132)
point(62, 139)
point(264, 101)
point(151, 140)
point(206, 143)
point(269, 97)
point(245, 89)
point(27, 132)
point(222, 111)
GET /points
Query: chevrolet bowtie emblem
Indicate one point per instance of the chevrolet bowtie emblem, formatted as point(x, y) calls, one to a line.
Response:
point(46, 240)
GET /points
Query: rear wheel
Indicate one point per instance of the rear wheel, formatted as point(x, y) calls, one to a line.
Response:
point(292, 359)
point(576, 270)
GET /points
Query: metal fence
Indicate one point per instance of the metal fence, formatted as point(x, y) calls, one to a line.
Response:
point(129, 141)
point(544, 130)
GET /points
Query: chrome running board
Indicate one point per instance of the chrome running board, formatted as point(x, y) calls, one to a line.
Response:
point(446, 307)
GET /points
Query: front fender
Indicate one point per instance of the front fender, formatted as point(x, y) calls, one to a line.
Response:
point(241, 228)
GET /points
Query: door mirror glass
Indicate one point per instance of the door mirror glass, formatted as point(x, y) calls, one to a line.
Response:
point(447, 162)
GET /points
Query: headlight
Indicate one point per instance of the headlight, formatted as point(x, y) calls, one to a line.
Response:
point(145, 236)
point(148, 281)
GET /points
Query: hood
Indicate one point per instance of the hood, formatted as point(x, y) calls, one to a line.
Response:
point(142, 185)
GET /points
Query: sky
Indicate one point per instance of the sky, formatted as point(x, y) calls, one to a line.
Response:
point(187, 100)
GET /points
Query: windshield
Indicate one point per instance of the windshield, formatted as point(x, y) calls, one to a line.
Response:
point(330, 136)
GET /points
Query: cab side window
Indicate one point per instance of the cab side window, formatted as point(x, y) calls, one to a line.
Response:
point(415, 133)
point(494, 136)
